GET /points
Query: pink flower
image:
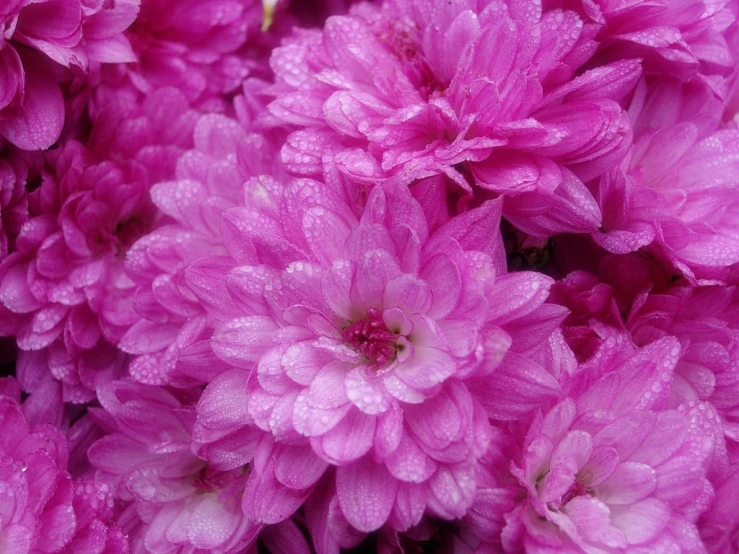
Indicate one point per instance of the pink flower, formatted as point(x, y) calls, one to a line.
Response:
point(204, 48)
point(410, 88)
point(64, 293)
point(380, 347)
point(676, 193)
point(43, 509)
point(37, 492)
point(704, 320)
point(176, 502)
point(38, 40)
point(606, 469)
point(600, 302)
point(592, 305)
point(682, 38)
point(208, 180)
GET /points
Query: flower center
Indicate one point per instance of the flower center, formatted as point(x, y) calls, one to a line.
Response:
point(577, 489)
point(129, 231)
point(371, 338)
point(405, 44)
point(209, 479)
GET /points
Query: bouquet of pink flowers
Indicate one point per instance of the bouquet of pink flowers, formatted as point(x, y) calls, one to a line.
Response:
point(394, 276)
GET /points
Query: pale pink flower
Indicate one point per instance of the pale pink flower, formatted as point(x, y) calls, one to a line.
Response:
point(676, 193)
point(64, 293)
point(42, 39)
point(208, 179)
point(485, 93)
point(379, 346)
point(607, 469)
point(176, 501)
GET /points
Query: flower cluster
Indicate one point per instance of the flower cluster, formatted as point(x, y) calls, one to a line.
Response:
point(312, 277)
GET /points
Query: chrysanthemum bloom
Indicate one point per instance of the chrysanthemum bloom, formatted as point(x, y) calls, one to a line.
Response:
point(592, 304)
point(64, 293)
point(705, 322)
point(203, 48)
point(685, 39)
point(371, 342)
point(43, 509)
point(677, 191)
point(176, 502)
point(37, 492)
point(208, 180)
point(482, 92)
point(604, 470)
point(600, 302)
point(40, 38)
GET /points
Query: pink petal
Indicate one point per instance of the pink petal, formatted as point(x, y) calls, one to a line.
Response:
point(629, 483)
point(409, 463)
point(222, 407)
point(426, 368)
point(284, 538)
point(298, 467)
point(410, 294)
point(349, 440)
point(366, 392)
point(441, 421)
point(11, 78)
point(39, 121)
point(409, 506)
point(445, 281)
point(302, 362)
point(451, 492)
point(366, 492)
point(591, 518)
point(243, 341)
point(642, 521)
point(516, 295)
point(515, 388)
point(268, 501)
point(211, 524)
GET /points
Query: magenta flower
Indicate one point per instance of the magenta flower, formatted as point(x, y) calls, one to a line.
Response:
point(64, 293)
point(38, 39)
point(605, 469)
point(176, 502)
point(44, 509)
point(379, 346)
point(37, 491)
point(203, 48)
point(409, 88)
point(15, 166)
